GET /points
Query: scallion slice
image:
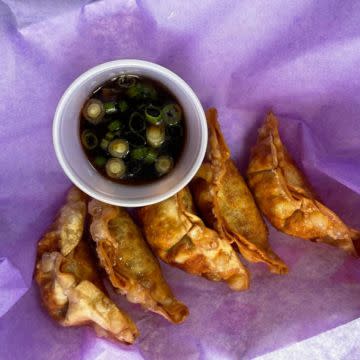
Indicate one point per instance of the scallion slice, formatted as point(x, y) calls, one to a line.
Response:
point(123, 106)
point(118, 148)
point(93, 111)
point(104, 144)
point(115, 168)
point(139, 153)
point(155, 135)
point(153, 114)
point(127, 81)
point(110, 108)
point(89, 140)
point(142, 91)
point(163, 164)
point(109, 136)
point(100, 161)
point(150, 156)
point(114, 125)
point(171, 114)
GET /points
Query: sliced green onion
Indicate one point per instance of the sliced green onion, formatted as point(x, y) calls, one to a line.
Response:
point(171, 114)
point(89, 139)
point(115, 168)
point(135, 139)
point(127, 81)
point(150, 156)
point(114, 125)
point(110, 107)
point(155, 135)
point(118, 148)
point(147, 154)
point(134, 91)
point(153, 114)
point(139, 153)
point(142, 91)
point(163, 164)
point(136, 122)
point(123, 105)
point(104, 144)
point(100, 161)
point(93, 111)
point(109, 136)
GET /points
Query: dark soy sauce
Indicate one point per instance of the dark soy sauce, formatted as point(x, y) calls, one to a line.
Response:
point(132, 130)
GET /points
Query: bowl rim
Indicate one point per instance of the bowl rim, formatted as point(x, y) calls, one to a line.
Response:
point(112, 65)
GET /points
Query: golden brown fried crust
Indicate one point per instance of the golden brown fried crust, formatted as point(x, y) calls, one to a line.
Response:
point(130, 264)
point(70, 287)
point(286, 198)
point(180, 238)
point(227, 205)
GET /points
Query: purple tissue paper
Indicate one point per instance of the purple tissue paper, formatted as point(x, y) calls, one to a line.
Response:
point(300, 58)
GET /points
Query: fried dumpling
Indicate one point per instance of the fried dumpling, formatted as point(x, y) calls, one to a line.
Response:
point(70, 287)
point(227, 205)
point(180, 238)
point(131, 266)
point(286, 198)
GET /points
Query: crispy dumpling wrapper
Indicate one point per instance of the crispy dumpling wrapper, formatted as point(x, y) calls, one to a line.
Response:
point(227, 205)
point(287, 199)
point(70, 287)
point(131, 266)
point(180, 238)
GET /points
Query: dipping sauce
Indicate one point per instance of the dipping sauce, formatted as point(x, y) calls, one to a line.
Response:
point(132, 129)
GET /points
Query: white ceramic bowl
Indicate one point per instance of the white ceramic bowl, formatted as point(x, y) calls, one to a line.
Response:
point(79, 170)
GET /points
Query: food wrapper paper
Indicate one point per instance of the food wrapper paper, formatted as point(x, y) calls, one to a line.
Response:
point(299, 58)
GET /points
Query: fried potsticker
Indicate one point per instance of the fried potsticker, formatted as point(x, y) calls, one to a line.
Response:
point(129, 262)
point(180, 238)
point(227, 205)
point(70, 287)
point(286, 198)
